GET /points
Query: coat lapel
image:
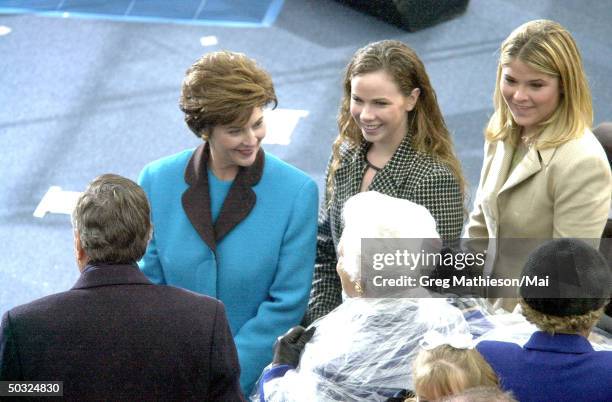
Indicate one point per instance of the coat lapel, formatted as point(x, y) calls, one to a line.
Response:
point(238, 203)
point(533, 161)
point(527, 167)
point(196, 199)
point(501, 164)
point(347, 179)
point(502, 158)
point(241, 198)
point(396, 170)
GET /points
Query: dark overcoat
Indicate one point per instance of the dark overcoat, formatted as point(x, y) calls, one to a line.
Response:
point(116, 336)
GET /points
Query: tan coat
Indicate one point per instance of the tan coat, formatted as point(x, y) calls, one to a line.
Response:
point(556, 192)
point(551, 193)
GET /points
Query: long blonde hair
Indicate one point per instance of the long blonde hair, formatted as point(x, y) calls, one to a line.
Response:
point(425, 122)
point(548, 48)
point(445, 370)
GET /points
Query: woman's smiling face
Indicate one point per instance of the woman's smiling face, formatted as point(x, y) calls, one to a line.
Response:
point(234, 146)
point(379, 108)
point(531, 96)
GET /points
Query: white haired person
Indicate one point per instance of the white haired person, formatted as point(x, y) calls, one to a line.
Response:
point(363, 349)
point(382, 220)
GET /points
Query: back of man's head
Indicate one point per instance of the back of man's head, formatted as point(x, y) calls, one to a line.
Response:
point(112, 220)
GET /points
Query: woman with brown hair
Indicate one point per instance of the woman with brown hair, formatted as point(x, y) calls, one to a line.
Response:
point(393, 140)
point(230, 220)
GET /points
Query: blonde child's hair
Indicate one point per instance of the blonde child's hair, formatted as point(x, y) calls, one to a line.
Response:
point(445, 370)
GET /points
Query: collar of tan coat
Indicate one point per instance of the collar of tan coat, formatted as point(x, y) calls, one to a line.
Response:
point(534, 161)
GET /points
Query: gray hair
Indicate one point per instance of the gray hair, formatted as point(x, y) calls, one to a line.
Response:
point(112, 218)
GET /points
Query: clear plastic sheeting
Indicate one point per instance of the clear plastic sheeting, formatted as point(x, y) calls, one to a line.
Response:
point(363, 350)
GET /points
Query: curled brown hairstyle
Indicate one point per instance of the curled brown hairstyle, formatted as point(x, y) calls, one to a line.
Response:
point(222, 88)
point(425, 122)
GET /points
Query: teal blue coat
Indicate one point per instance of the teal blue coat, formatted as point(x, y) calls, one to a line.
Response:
point(257, 257)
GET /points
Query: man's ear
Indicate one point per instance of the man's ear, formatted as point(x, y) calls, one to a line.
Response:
point(79, 251)
point(412, 99)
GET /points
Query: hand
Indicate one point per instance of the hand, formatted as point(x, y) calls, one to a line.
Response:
point(289, 346)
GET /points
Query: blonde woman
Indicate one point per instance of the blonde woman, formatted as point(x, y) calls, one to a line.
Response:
point(393, 140)
point(232, 221)
point(544, 173)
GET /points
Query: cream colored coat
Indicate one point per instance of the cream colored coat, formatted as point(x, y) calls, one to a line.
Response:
point(556, 192)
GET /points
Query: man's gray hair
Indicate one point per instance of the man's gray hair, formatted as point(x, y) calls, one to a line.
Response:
point(112, 218)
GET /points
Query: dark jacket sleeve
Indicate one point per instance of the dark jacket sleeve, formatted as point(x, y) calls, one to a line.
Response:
point(326, 292)
point(225, 369)
point(10, 368)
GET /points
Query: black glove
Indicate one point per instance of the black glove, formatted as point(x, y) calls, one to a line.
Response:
point(289, 346)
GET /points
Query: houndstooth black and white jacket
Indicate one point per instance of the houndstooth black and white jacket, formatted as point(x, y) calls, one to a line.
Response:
point(410, 175)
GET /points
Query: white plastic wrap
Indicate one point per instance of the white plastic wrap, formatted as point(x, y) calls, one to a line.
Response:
point(363, 350)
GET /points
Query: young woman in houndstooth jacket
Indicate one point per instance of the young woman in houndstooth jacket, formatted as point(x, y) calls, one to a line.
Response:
point(393, 140)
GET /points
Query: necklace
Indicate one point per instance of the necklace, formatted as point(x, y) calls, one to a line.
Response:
point(374, 167)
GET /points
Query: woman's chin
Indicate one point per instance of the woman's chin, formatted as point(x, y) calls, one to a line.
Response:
point(245, 161)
